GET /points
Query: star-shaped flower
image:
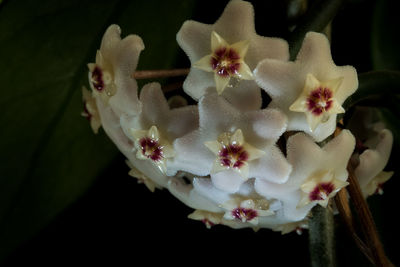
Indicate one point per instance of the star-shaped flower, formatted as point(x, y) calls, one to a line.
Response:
point(221, 122)
point(226, 61)
point(246, 209)
point(233, 153)
point(90, 110)
point(110, 77)
point(151, 146)
point(317, 100)
point(320, 187)
point(311, 90)
point(318, 173)
point(157, 126)
point(228, 48)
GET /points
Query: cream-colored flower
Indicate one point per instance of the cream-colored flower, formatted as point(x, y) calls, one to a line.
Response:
point(233, 153)
point(142, 178)
point(310, 90)
point(225, 51)
point(375, 186)
point(90, 110)
point(226, 61)
point(110, 76)
point(318, 100)
point(208, 218)
point(151, 146)
point(293, 226)
point(319, 188)
point(246, 210)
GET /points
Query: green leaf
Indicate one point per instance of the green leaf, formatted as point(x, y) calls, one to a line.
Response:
point(50, 155)
point(316, 18)
point(385, 36)
point(376, 88)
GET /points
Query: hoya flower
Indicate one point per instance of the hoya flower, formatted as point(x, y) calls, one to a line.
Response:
point(372, 161)
point(231, 145)
point(224, 54)
point(157, 126)
point(317, 174)
point(208, 218)
point(311, 90)
point(374, 145)
point(245, 208)
point(90, 110)
point(142, 178)
point(298, 227)
point(110, 77)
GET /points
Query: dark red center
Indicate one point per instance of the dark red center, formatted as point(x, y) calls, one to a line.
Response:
point(243, 213)
point(233, 156)
point(151, 149)
point(97, 79)
point(225, 61)
point(321, 191)
point(320, 100)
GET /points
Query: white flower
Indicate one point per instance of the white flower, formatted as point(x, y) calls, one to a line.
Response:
point(90, 110)
point(372, 161)
point(226, 61)
point(201, 151)
point(208, 218)
point(318, 173)
point(157, 126)
point(219, 47)
point(311, 90)
point(298, 227)
point(246, 209)
point(111, 76)
point(374, 145)
point(142, 178)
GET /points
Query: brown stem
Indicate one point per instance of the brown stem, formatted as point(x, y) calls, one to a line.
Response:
point(367, 222)
point(172, 87)
point(342, 204)
point(153, 74)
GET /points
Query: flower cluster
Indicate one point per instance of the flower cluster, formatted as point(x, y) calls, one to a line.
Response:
point(232, 161)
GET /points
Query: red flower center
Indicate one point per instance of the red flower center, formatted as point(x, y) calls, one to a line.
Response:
point(151, 149)
point(321, 191)
point(225, 61)
point(233, 156)
point(97, 79)
point(244, 214)
point(320, 100)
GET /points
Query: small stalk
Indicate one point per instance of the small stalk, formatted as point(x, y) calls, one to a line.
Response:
point(322, 237)
point(154, 74)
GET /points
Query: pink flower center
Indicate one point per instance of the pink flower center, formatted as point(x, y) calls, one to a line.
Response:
point(151, 149)
point(97, 79)
point(319, 101)
point(321, 191)
point(233, 156)
point(244, 214)
point(225, 62)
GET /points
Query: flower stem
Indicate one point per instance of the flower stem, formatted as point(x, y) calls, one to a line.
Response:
point(321, 237)
point(367, 222)
point(153, 74)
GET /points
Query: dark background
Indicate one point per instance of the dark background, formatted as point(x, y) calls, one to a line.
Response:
point(120, 222)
